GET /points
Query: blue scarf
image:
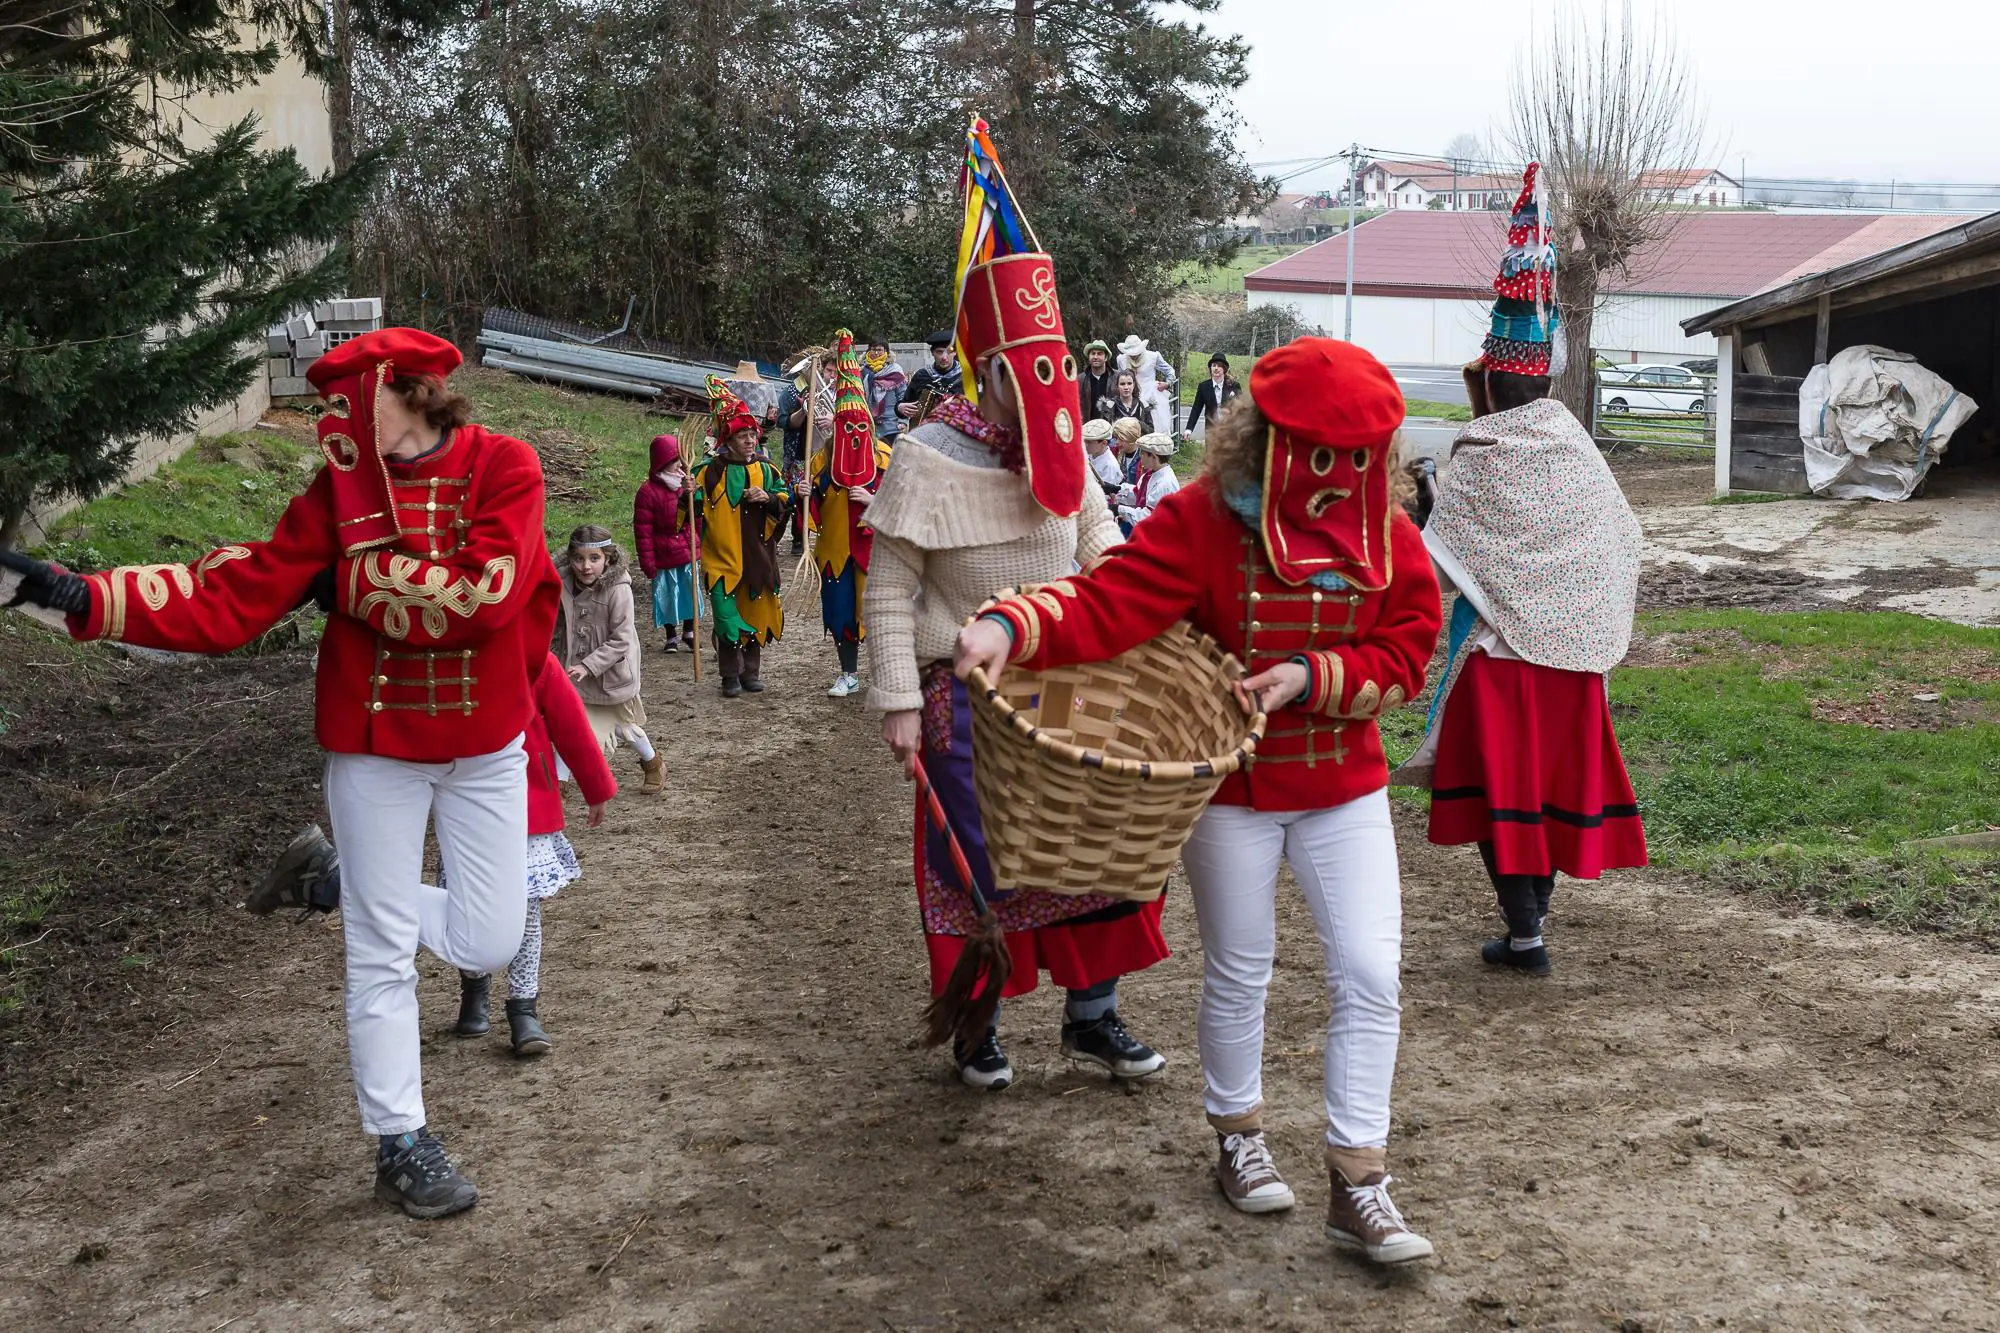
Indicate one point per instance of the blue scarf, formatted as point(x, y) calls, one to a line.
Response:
point(1247, 503)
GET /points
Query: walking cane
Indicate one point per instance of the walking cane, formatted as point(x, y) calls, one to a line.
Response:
point(964, 1009)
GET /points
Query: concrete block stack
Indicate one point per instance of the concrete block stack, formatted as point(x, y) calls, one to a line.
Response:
point(294, 345)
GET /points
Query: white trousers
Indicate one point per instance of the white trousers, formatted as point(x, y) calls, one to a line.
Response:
point(379, 809)
point(1345, 861)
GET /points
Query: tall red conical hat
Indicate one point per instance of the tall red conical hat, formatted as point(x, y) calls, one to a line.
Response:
point(851, 458)
point(1007, 309)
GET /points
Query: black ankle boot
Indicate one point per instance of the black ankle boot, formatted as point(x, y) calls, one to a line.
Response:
point(529, 1038)
point(474, 998)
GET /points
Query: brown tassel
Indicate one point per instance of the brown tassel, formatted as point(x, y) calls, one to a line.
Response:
point(964, 1010)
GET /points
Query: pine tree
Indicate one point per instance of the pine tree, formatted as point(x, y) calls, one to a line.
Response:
point(135, 263)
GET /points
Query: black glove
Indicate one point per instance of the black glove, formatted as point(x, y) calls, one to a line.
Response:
point(47, 585)
point(320, 591)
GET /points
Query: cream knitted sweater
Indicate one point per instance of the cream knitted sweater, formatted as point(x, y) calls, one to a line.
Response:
point(953, 527)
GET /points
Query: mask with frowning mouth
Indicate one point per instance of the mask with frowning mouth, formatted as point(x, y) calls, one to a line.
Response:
point(1333, 411)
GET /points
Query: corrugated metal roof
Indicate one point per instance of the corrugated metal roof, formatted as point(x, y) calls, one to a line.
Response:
point(1728, 253)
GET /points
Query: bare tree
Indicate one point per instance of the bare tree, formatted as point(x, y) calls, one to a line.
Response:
point(1465, 148)
point(1601, 102)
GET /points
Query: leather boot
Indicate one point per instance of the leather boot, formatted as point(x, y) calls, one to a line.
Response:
point(655, 770)
point(474, 1000)
point(753, 667)
point(729, 663)
point(529, 1038)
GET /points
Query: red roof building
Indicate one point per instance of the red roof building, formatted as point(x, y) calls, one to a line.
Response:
point(1448, 260)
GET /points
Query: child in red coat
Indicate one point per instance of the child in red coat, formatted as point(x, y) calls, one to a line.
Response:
point(664, 545)
point(559, 737)
point(559, 731)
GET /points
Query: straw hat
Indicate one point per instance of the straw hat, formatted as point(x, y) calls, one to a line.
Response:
point(1158, 444)
point(1097, 428)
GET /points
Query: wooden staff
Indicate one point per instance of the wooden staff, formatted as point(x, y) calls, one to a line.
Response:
point(806, 530)
point(693, 429)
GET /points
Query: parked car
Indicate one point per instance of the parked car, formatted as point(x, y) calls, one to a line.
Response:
point(1651, 389)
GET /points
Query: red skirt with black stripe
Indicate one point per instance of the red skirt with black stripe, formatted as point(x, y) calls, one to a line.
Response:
point(1527, 760)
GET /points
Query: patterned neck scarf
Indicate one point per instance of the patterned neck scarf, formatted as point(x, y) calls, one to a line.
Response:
point(962, 417)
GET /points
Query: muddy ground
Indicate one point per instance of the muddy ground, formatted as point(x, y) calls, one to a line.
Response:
point(1710, 1116)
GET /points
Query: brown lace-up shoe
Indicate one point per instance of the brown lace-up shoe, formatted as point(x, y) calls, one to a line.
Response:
point(1363, 1217)
point(1248, 1176)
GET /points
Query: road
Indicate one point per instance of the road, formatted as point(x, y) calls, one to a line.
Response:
point(1438, 384)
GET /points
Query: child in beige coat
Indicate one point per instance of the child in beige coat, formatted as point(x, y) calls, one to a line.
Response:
point(599, 639)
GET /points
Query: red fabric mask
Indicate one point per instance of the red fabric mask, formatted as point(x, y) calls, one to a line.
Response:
point(851, 462)
point(351, 379)
point(1334, 410)
point(1010, 311)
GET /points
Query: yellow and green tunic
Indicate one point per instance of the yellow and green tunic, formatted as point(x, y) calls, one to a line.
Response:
point(841, 546)
point(739, 546)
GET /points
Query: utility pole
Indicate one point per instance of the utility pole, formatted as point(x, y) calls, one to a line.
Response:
point(1353, 157)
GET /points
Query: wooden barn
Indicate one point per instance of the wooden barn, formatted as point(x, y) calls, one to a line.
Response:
point(1937, 298)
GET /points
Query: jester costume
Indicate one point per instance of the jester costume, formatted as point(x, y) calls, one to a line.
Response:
point(970, 505)
point(1532, 533)
point(441, 599)
point(740, 502)
point(1300, 565)
point(852, 460)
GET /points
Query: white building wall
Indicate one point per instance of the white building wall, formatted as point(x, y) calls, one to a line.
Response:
point(1435, 331)
point(1648, 326)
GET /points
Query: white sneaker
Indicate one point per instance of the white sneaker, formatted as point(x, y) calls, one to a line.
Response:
point(844, 685)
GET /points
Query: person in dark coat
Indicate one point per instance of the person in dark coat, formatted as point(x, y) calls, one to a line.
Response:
point(1214, 394)
point(1094, 380)
point(941, 379)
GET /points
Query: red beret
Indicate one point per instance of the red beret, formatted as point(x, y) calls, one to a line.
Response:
point(1325, 391)
point(410, 351)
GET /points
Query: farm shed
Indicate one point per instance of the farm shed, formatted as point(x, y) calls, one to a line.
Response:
point(1423, 281)
point(1936, 298)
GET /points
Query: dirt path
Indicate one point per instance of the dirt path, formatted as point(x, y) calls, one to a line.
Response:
point(1709, 1114)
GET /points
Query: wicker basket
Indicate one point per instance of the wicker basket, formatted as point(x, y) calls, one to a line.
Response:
point(1090, 777)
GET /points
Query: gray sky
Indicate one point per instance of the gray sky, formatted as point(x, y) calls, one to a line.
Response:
point(1819, 88)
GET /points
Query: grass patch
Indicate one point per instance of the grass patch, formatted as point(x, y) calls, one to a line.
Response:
point(1426, 407)
point(1752, 498)
point(27, 901)
point(1229, 277)
point(1790, 753)
point(224, 489)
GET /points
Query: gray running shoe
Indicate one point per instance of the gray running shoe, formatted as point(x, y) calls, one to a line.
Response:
point(412, 1172)
point(306, 876)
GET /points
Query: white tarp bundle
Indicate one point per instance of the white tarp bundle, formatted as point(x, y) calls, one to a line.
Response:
point(1873, 422)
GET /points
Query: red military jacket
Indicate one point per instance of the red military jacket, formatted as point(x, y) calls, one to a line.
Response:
point(1366, 652)
point(436, 641)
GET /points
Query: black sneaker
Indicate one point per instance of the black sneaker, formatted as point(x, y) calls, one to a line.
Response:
point(1104, 1041)
point(306, 876)
point(732, 686)
point(1502, 953)
point(986, 1067)
point(412, 1172)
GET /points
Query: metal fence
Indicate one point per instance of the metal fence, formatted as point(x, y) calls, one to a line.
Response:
point(1660, 403)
